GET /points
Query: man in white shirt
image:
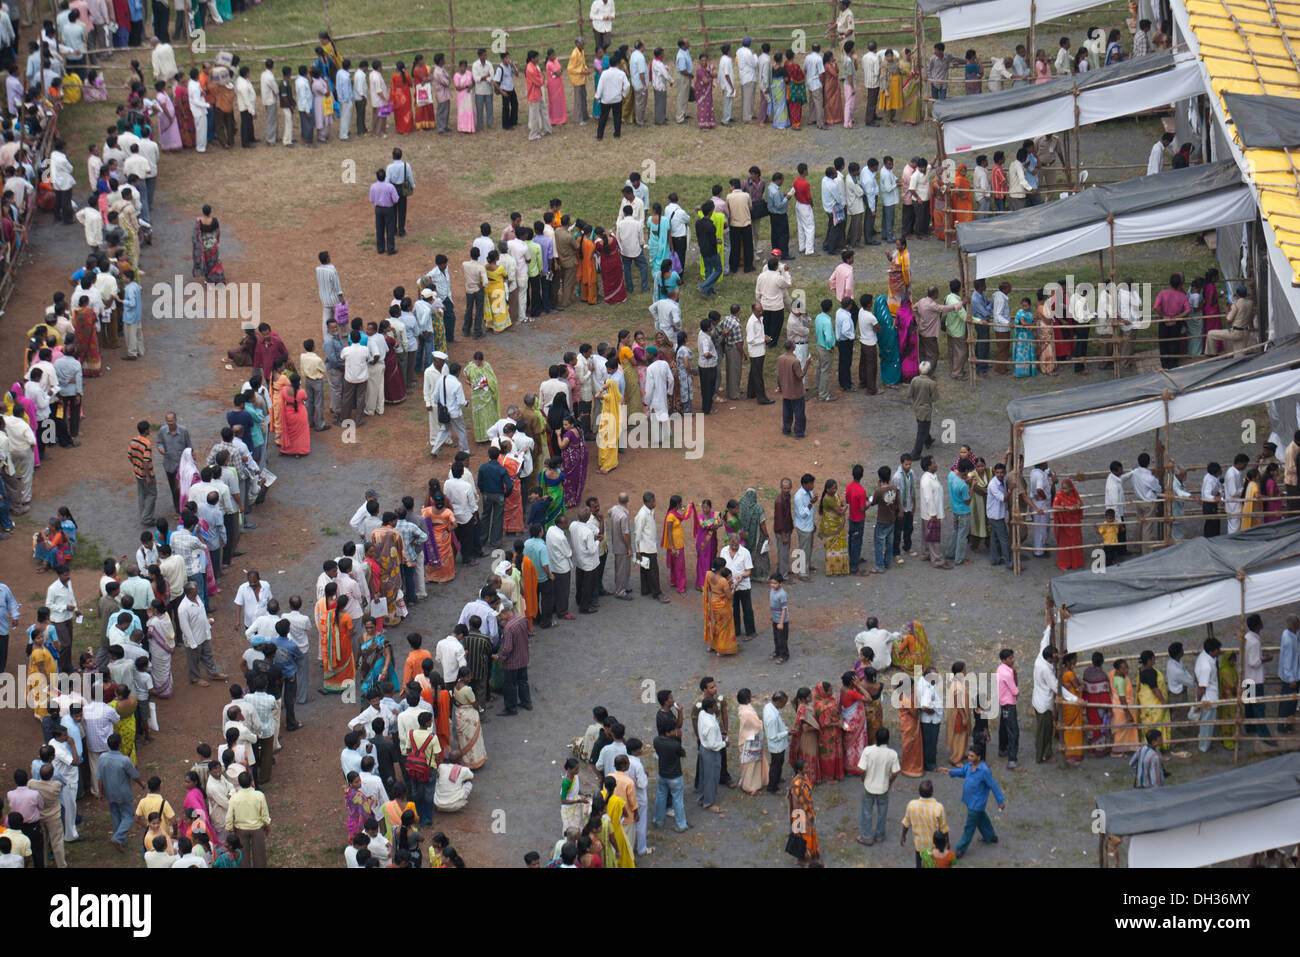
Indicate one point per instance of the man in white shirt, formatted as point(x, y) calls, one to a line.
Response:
point(601, 15)
point(1207, 691)
point(450, 655)
point(1234, 490)
point(484, 87)
point(741, 565)
point(813, 69)
point(450, 395)
point(645, 543)
point(778, 739)
point(747, 76)
point(560, 565)
point(1114, 500)
point(712, 747)
point(628, 233)
point(1159, 149)
point(726, 84)
point(586, 559)
point(251, 600)
point(1182, 688)
point(1146, 488)
point(196, 633)
point(1253, 671)
point(610, 90)
point(667, 315)
point(356, 374)
point(929, 506)
point(270, 90)
point(1046, 688)
point(756, 342)
point(640, 80)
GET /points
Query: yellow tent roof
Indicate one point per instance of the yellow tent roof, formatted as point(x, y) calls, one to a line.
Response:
point(1253, 47)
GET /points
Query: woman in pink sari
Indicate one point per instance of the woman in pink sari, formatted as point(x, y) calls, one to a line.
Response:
point(197, 801)
point(169, 128)
point(28, 411)
point(908, 343)
point(707, 522)
point(555, 89)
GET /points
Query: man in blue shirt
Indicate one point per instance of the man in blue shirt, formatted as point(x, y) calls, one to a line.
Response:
point(288, 658)
point(343, 95)
point(981, 308)
point(685, 77)
point(804, 524)
point(778, 205)
point(9, 615)
point(824, 336)
point(116, 773)
point(132, 314)
point(494, 484)
point(535, 551)
point(975, 790)
point(959, 483)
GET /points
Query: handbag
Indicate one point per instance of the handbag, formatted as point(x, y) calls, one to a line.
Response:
point(386, 110)
point(341, 315)
point(759, 210)
point(796, 846)
point(933, 530)
point(406, 187)
point(444, 417)
point(424, 94)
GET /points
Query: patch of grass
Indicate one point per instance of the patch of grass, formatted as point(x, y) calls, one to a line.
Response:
point(331, 532)
point(593, 198)
point(88, 554)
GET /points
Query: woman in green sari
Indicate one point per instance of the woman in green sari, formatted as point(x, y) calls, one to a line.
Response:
point(1228, 692)
point(753, 523)
point(910, 67)
point(553, 490)
point(833, 530)
point(887, 342)
point(484, 399)
point(979, 516)
point(657, 248)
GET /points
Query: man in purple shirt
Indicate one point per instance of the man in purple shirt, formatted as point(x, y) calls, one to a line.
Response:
point(1171, 308)
point(383, 196)
point(513, 655)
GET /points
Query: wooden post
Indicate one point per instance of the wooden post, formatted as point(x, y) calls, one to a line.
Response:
point(1167, 479)
point(1078, 146)
point(704, 26)
point(1162, 463)
point(451, 31)
point(1241, 664)
point(580, 10)
point(1013, 468)
point(963, 268)
point(325, 6)
point(1033, 21)
point(1058, 706)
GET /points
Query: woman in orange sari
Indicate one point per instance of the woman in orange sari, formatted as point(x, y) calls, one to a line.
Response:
point(587, 272)
point(1067, 514)
point(425, 116)
point(295, 435)
point(962, 201)
point(399, 95)
point(528, 580)
point(1123, 722)
point(830, 732)
point(279, 382)
point(85, 325)
point(719, 625)
point(339, 668)
point(1072, 714)
point(803, 736)
point(512, 521)
point(439, 553)
point(911, 755)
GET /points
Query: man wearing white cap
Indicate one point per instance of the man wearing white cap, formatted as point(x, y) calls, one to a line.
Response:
point(432, 377)
point(427, 311)
point(448, 395)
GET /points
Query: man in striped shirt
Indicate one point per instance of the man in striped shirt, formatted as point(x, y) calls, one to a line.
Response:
point(1148, 772)
point(140, 452)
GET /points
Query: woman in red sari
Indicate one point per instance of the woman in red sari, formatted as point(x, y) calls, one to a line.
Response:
point(399, 95)
point(85, 324)
point(611, 268)
point(295, 436)
point(184, 117)
point(1067, 514)
point(394, 379)
point(854, 713)
point(425, 116)
point(830, 732)
point(335, 628)
point(798, 89)
point(804, 735)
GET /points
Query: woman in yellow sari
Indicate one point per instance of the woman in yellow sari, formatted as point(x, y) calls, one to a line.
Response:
point(1072, 714)
point(719, 625)
point(627, 362)
point(279, 383)
point(891, 94)
point(609, 428)
point(1154, 713)
point(1253, 507)
point(900, 274)
point(496, 304)
point(1228, 678)
point(1123, 729)
point(614, 811)
point(833, 530)
point(912, 109)
point(588, 274)
point(125, 726)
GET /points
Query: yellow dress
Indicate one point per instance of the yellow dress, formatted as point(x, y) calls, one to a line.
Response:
point(496, 304)
point(41, 674)
point(610, 428)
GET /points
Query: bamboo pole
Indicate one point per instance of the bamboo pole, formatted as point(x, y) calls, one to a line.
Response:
point(704, 25)
point(1058, 712)
point(325, 6)
point(1241, 665)
point(451, 30)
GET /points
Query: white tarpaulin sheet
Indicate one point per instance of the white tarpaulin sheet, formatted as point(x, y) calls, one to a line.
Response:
point(1145, 92)
point(1205, 211)
point(1104, 627)
point(1222, 839)
point(978, 19)
point(1045, 441)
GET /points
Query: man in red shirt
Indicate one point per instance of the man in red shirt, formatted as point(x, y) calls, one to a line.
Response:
point(856, 494)
point(803, 210)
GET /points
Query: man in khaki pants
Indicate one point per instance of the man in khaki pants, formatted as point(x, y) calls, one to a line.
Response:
point(1239, 322)
point(813, 70)
point(685, 77)
point(566, 260)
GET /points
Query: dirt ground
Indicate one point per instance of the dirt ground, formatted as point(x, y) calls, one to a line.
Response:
point(280, 207)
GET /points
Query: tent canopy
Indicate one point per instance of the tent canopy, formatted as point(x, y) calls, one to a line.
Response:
point(1143, 810)
point(1071, 420)
point(1190, 564)
point(1134, 211)
point(1265, 121)
point(1036, 109)
point(959, 19)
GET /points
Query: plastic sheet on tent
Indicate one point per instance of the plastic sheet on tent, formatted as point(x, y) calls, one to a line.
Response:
point(959, 19)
